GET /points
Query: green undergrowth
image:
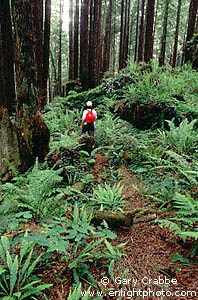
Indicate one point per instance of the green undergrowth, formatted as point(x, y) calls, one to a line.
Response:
point(53, 200)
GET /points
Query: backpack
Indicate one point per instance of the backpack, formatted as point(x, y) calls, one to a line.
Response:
point(90, 117)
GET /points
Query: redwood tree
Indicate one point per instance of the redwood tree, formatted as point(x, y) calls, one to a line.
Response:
point(76, 33)
point(176, 33)
point(148, 47)
point(191, 28)
point(84, 44)
point(59, 83)
point(107, 39)
point(7, 85)
point(95, 60)
point(121, 36)
point(46, 51)
point(126, 31)
point(163, 39)
point(141, 34)
point(2, 89)
point(32, 132)
point(137, 24)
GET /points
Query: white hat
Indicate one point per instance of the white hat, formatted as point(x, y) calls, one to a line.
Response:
point(89, 103)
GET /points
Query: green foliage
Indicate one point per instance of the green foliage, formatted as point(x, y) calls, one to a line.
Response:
point(32, 191)
point(107, 197)
point(184, 138)
point(77, 293)
point(16, 281)
point(184, 224)
point(92, 253)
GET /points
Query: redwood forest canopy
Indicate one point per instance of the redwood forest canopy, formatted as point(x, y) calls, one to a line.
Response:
point(52, 42)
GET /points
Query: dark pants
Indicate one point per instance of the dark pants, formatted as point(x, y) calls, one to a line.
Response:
point(88, 128)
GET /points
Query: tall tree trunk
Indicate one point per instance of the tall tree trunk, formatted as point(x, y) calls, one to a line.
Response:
point(46, 51)
point(148, 47)
point(99, 50)
point(155, 18)
point(132, 18)
point(38, 35)
point(137, 25)
point(32, 133)
point(59, 84)
point(113, 50)
point(2, 89)
point(107, 39)
point(71, 42)
point(191, 29)
point(84, 44)
point(163, 39)
point(126, 33)
point(76, 46)
point(141, 34)
point(176, 34)
point(121, 36)
point(7, 57)
point(96, 45)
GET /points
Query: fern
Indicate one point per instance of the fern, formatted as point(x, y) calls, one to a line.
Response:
point(107, 197)
point(33, 191)
point(15, 275)
point(183, 137)
point(186, 205)
point(187, 216)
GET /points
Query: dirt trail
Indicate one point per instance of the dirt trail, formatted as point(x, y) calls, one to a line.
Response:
point(147, 269)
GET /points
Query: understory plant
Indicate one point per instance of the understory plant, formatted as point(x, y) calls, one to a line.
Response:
point(16, 272)
point(183, 137)
point(107, 197)
point(31, 192)
point(184, 224)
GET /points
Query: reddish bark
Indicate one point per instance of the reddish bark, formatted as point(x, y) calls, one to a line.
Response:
point(97, 49)
point(91, 33)
point(46, 51)
point(127, 32)
point(148, 47)
point(71, 42)
point(2, 89)
point(84, 44)
point(141, 34)
point(76, 47)
point(137, 24)
point(33, 135)
point(37, 26)
point(59, 83)
point(163, 39)
point(121, 36)
point(7, 58)
point(176, 34)
point(191, 29)
point(107, 39)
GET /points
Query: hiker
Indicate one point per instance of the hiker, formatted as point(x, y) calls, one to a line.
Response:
point(88, 120)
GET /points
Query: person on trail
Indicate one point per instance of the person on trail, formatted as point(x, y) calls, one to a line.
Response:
point(88, 119)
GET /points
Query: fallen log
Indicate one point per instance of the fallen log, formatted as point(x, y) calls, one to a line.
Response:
point(117, 219)
point(113, 218)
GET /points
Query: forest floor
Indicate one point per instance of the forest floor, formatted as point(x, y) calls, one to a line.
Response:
point(148, 249)
point(146, 270)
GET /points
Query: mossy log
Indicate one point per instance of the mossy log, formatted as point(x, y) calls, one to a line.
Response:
point(113, 218)
point(144, 115)
point(118, 219)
